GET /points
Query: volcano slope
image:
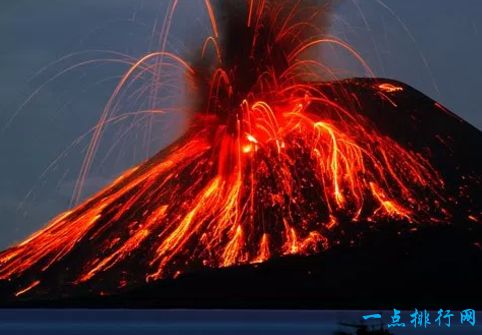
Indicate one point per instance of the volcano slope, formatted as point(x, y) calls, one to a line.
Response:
point(186, 230)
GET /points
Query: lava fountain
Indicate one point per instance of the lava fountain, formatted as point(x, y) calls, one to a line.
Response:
point(270, 166)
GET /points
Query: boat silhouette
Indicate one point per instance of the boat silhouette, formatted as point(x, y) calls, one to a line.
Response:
point(363, 329)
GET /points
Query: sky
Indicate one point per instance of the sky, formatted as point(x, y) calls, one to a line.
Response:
point(432, 45)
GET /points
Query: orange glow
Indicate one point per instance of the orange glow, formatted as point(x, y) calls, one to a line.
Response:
point(390, 88)
point(265, 171)
point(473, 218)
point(264, 252)
point(28, 288)
point(390, 207)
point(212, 18)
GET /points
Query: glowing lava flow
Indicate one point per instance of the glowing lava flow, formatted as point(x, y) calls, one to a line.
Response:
point(270, 166)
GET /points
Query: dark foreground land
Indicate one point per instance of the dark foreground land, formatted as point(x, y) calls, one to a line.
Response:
point(435, 267)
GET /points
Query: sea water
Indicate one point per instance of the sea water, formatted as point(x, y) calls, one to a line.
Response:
point(212, 322)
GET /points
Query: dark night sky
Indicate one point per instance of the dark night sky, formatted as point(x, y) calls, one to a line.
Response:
point(433, 45)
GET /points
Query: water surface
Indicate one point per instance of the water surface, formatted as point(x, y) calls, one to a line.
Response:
point(253, 322)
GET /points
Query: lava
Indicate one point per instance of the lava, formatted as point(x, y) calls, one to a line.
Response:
point(270, 165)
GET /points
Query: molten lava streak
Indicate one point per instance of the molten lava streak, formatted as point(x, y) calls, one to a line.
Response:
point(269, 167)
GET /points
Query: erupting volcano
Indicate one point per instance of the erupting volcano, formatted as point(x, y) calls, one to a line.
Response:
point(277, 161)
